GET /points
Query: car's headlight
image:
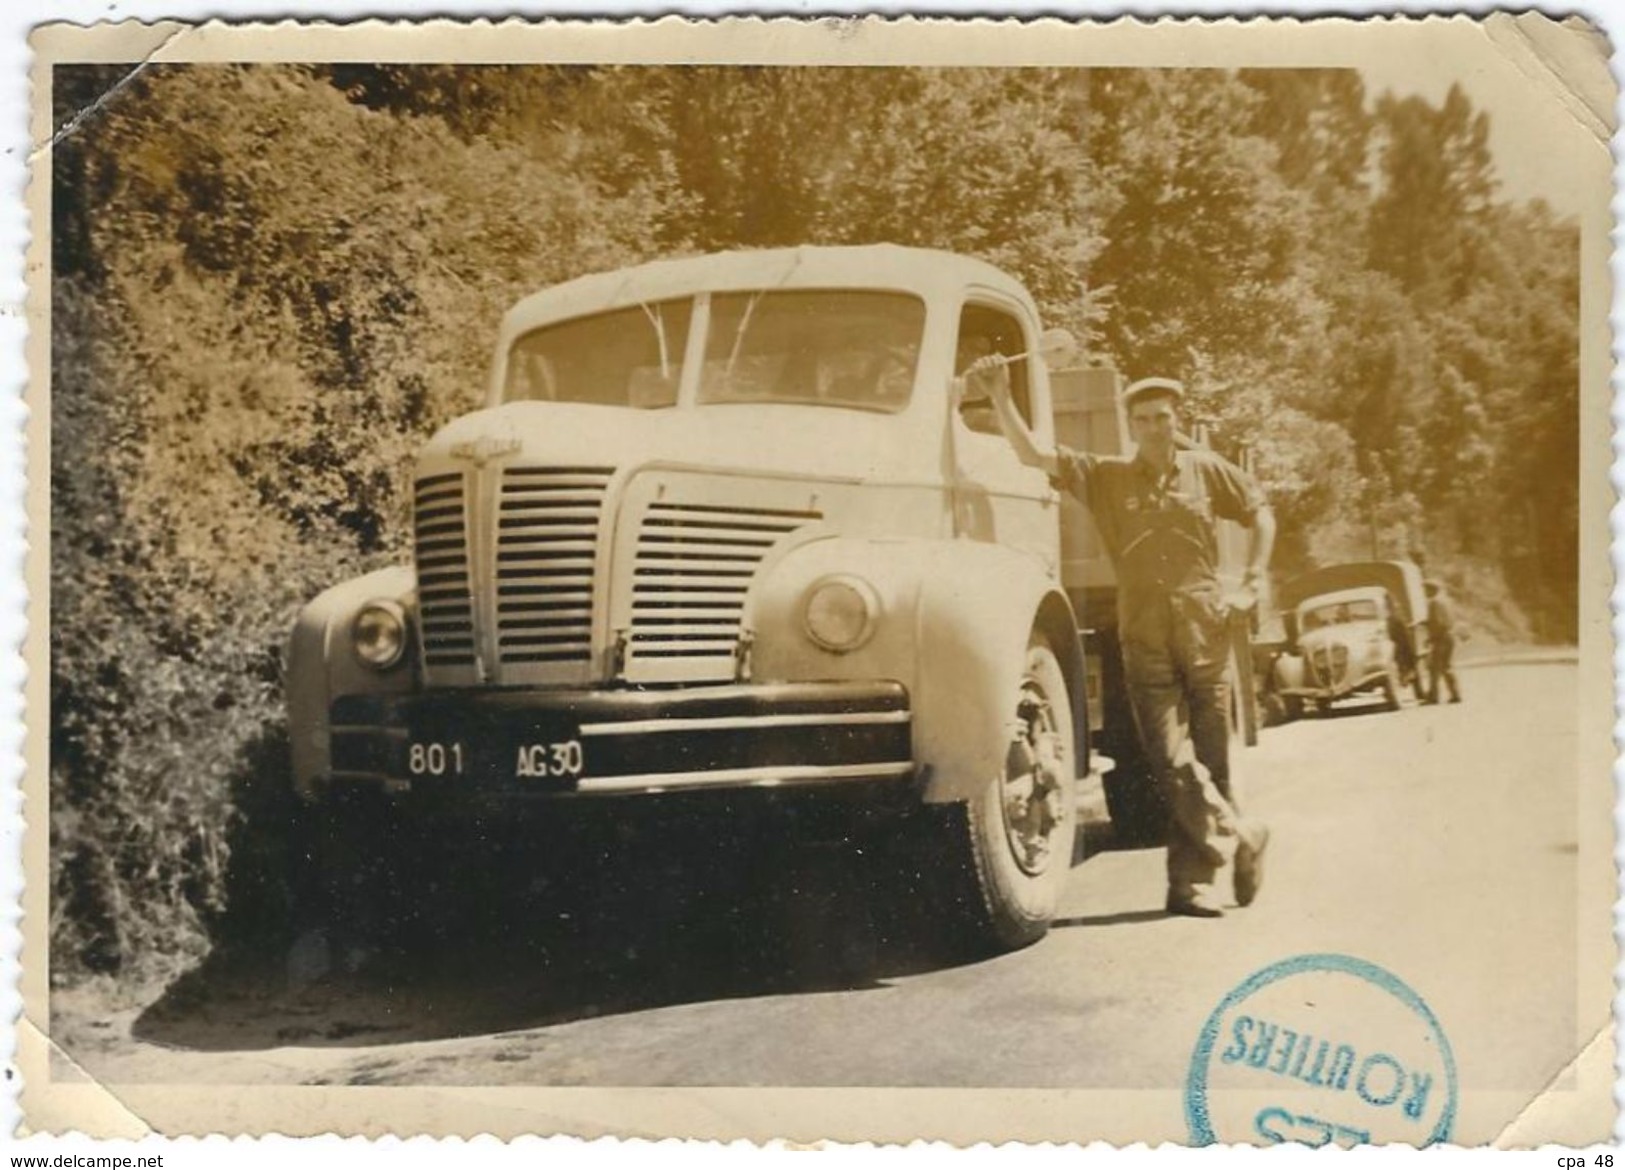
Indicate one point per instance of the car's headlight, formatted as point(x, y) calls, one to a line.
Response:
point(840, 613)
point(379, 634)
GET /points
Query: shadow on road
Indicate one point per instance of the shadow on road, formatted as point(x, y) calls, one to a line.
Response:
point(651, 926)
point(1121, 917)
point(1356, 709)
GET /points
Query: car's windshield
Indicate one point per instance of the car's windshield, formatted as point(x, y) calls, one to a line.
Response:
point(630, 357)
point(829, 347)
point(1363, 610)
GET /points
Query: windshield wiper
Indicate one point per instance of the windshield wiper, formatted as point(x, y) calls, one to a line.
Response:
point(657, 321)
point(739, 333)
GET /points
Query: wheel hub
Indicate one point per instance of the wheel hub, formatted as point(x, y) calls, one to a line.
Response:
point(1034, 769)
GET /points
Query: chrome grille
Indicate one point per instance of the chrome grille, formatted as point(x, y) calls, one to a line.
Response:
point(1331, 664)
point(693, 568)
point(547, 540)
point(445, 598)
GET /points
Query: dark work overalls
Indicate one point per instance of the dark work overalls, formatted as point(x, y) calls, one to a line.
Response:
point(1442, 648)
point(1160, 532)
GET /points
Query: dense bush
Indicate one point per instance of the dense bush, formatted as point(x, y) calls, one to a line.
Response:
point(272, 283)
point(280, 293)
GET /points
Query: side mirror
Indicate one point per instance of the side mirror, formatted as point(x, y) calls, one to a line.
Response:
point(1057, 347)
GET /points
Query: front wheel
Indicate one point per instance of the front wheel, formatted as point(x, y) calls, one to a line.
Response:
point(1023, 824)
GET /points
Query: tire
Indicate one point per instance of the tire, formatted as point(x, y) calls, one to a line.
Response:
point(1271, 710)
point(1022, 826)
point(1390, 689)
point(1294, 707)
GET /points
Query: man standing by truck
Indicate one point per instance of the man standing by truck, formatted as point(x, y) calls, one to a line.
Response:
point(1441, 643)
point(1156, 514)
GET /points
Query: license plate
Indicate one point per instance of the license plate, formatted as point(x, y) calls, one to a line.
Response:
point(559, 759)
point(437, 757)
point(523, 755)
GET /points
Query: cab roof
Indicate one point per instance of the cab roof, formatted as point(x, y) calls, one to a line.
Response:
point(1344, 596)
point(1402, 580)
point(923, 271)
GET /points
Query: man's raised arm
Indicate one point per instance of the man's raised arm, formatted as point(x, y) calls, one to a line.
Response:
point(991, 372)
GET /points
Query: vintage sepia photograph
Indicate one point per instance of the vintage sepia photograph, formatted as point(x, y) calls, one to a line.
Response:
point(820, 565)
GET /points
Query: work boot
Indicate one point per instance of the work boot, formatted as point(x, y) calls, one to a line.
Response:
point(1250, 863)
point(1194, 906)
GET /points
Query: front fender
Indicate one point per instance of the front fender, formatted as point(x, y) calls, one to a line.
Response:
point(321, 665)
point(775, 613)
point(1290, 672)
point(978, 611)
point(955, 621)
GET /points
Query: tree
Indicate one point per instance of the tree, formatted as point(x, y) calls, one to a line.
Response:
point(1203, 237)
point(986, 162)
point(1318, 121)
point(1436, 183)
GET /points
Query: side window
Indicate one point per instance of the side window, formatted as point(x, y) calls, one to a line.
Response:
point(986, 330)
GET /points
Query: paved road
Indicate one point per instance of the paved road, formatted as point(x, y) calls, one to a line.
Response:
point(1438, 842)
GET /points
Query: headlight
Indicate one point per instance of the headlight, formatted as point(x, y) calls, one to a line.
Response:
point(379, 634)
point(840, 613)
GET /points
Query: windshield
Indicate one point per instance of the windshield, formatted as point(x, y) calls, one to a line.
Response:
point(631, 357)
point(1340, 614)
point(829, 347)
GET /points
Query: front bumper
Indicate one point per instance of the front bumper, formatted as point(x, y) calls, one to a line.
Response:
point(1339, 690)
point(569, 744)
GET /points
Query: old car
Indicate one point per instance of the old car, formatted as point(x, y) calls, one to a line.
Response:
point(1354, 628)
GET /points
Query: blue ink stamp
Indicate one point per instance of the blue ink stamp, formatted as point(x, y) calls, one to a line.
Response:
point(1321, 1049)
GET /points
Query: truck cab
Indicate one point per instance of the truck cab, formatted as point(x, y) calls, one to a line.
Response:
point(725, 524)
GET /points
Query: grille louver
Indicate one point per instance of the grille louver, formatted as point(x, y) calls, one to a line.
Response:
point(547, 540)
point(440, 532)
point(1331, 664)
point(694, 566)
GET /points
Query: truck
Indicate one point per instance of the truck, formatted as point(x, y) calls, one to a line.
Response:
point(725, 526)
point(1352, 629)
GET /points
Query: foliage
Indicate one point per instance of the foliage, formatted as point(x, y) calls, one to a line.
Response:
point(277, 295)
point(272, 283)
